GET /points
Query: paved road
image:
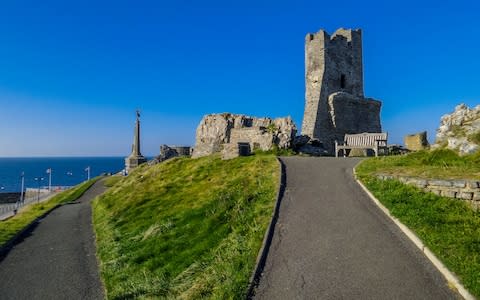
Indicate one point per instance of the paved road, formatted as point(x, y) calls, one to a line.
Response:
point(57, 260)
point(332, 242)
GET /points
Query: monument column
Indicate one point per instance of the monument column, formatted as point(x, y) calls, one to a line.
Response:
point(135, 158)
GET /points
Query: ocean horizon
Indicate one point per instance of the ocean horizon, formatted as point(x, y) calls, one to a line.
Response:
point(66, 170)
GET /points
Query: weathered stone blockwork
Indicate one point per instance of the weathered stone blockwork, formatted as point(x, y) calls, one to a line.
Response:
point(334, 99)
point(215, 131)
point(416, 142)
point(167, 152)
point(468, 190)
point(350, 114)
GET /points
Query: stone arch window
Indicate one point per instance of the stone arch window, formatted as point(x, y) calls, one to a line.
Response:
point(342, 81)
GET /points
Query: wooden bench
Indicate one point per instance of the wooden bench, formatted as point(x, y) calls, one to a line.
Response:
point(374, 141)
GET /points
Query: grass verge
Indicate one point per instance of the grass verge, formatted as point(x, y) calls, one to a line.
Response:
point(185, 228)
point(10, 227)
point(450, 228)
point(441, 164)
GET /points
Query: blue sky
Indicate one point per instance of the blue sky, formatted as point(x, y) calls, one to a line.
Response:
point(73, 73)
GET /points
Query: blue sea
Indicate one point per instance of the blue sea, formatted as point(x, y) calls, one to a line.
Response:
point(66, 171)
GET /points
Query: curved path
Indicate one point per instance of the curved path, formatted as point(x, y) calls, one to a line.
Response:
point(57, 259)
point(332, 242)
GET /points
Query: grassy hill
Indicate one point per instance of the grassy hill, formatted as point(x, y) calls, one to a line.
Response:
point(185, 228)
point(441, 164)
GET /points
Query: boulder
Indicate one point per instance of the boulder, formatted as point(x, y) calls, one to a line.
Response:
point(303, 144)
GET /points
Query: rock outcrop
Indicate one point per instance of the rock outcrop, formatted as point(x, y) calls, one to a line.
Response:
point(215, 131)
point(416, 142)
point(460, 130)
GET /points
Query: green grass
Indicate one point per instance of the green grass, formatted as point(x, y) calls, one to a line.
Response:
point(475, 138)
point(10, 227)
point(450, 228)
point(441, 164)
point(185, 228)
point(112, 180)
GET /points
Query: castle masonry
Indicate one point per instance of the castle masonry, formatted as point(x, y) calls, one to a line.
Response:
point(334, 99)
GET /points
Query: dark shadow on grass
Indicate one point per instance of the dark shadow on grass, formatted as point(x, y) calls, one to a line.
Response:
point(261, 260)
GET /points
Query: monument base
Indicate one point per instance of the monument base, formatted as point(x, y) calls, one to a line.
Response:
point(132, 162)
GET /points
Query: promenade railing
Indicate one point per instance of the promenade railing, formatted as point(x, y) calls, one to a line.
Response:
point(9, 209)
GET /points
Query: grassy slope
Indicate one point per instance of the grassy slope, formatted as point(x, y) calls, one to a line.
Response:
point(442, 164)
point(27, 215)
point(450, 228)
point(185, 228)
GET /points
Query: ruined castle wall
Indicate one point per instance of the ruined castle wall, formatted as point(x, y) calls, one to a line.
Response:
point(217, 131)
point(350, 114)
point(257, 137)
point(213, 131)
point(344, 58)
point(314, 88)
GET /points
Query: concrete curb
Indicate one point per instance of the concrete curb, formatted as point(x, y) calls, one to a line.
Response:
point(449, 276)
point(267, 239)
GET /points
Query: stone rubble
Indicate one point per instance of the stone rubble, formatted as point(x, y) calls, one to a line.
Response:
point(167, 152)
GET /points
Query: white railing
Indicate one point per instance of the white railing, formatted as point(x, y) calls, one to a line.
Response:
point(9, 209)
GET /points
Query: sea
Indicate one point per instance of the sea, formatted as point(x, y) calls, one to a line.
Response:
point(66, 171)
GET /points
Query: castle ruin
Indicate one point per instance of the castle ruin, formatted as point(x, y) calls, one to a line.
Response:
point(334, 99)
point(230, 133)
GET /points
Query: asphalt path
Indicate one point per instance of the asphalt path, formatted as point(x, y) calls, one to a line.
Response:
point(56, 260)
point(332, 242)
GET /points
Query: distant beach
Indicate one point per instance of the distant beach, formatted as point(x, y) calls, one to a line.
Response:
point(66, 171)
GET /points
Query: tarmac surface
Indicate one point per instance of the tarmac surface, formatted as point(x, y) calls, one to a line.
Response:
point(332, 242)
point(56, 260)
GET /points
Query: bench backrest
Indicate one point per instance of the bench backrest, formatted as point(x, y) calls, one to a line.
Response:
point(365, 139)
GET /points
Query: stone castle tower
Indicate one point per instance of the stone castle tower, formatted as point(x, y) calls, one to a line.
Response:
point(334, 100)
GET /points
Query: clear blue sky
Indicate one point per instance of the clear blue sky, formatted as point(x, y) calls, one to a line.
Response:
point(73, 73)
